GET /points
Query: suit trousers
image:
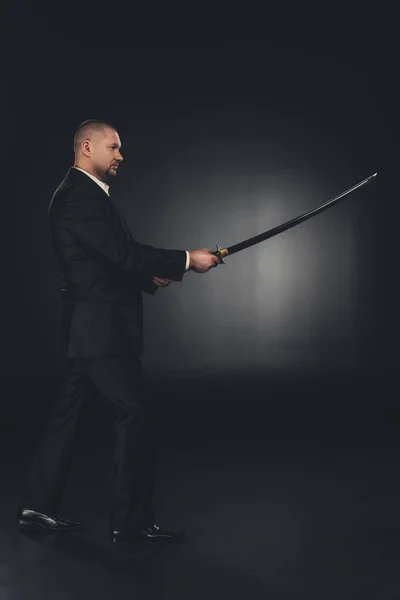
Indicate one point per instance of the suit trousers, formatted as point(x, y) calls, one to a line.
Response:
point(120, 381)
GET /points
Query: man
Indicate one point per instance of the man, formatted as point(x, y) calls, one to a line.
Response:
point(105, 271)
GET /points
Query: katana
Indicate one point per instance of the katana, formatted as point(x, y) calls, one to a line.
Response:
point(261, 237)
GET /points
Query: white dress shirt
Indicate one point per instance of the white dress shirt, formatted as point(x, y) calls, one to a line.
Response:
point(103, 185)
point(105, 189)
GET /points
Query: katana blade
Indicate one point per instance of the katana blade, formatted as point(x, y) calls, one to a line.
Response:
point(223, 252)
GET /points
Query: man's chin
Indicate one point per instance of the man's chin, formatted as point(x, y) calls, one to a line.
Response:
point(110, 175)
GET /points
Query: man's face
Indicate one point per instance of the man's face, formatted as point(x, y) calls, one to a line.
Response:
point(105, 153)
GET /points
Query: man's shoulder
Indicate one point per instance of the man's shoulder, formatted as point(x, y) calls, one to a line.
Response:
point(75, 188)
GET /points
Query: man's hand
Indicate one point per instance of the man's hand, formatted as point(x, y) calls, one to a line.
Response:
point(160, 281)
point(203, 260)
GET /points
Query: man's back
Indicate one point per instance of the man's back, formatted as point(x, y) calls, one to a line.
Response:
point(87, 274)
point(104, 270)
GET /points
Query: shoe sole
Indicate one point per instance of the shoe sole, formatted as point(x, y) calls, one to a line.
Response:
point(25, 525)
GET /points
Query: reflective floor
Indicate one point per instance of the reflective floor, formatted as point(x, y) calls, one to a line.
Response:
point(280, 508)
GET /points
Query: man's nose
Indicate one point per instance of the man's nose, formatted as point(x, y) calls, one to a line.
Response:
point(120, 157)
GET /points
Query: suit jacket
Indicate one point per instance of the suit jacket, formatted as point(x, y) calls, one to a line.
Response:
point(104, 270)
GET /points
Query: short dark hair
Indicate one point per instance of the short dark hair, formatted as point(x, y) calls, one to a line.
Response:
point(86, 128)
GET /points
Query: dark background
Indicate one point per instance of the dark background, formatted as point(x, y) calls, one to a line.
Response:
point(276, 373)
point(223, 138)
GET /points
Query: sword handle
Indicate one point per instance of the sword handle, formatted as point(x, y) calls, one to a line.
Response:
point(221, 252)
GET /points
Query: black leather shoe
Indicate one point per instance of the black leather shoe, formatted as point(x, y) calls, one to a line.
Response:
point(31, 519)
point(154, 532)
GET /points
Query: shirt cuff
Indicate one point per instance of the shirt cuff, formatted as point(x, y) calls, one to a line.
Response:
point(187, 261)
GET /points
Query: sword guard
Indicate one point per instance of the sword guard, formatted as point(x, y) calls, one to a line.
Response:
point(219, 255)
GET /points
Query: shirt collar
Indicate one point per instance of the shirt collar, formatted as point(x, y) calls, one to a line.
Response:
point(103, 185)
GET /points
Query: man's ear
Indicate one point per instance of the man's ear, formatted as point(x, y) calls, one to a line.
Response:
point(86, 148)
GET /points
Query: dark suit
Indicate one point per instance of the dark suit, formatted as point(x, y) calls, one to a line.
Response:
point(104, 271)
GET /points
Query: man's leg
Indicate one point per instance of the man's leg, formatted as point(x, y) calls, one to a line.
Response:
point(148, 444)
point(47, 474)
point(120, 381)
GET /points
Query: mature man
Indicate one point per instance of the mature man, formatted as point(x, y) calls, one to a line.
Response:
point(105, 271)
